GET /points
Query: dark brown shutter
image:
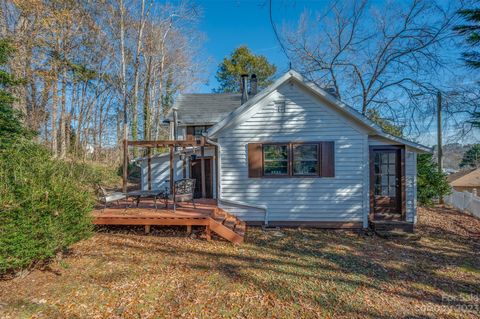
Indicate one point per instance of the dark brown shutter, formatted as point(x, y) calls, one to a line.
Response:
point(190, 133)
point(255, 155)
point(328, 159)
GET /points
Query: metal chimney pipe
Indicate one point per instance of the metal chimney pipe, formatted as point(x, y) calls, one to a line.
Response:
point(243, 88)
point(253, 84)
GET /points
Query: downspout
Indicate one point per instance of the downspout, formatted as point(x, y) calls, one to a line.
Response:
point(262, 207)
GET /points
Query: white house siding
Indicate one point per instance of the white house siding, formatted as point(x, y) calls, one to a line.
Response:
point(338, 199)
point(160, 166)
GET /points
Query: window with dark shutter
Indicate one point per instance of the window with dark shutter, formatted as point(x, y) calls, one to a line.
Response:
point(291, 159)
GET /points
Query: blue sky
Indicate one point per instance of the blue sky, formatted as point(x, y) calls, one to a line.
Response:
point(227, 24)
point(231, 23)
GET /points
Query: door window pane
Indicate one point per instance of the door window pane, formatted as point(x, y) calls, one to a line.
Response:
point(305, 159)
point(275, 159)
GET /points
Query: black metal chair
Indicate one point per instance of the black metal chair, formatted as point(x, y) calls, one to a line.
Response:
point(183, 191)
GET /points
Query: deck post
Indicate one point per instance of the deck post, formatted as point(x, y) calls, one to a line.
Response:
point(125, 165)
point(171, 168)
point(189, 229)
point(208, 232)
point(149, 167)
point(147, 229)
point(184, 163)
point(202, 168)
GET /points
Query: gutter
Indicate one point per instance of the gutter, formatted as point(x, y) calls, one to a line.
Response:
point(262, 207)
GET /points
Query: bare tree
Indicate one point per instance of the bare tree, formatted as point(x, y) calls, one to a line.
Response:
point(374, 56)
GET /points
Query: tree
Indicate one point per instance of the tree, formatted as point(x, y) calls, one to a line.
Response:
point(374, 55)
point(243, 61)
point(472, 34)
point(430, 182)
point(385, 124)
point(471, 158)
point(11, 126)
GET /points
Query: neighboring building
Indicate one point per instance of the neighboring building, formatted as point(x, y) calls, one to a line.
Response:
point(291, 154)
point(467, 180)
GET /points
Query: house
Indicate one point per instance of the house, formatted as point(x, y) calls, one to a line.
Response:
point(291, 154)
point(466, 180)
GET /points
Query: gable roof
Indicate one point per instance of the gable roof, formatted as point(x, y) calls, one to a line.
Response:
point(208, 108)
point(343, 108)
point(470, 179)
point(454, 176)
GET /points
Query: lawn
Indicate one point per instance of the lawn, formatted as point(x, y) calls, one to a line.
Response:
point(294, 273)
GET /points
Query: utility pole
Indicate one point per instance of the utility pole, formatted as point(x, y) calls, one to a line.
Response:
point(439, 138)
point(439, 132)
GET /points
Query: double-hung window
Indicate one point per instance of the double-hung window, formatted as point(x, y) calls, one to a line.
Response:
point(275, 159)
point(305, 159)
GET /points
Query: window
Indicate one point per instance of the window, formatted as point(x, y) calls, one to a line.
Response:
point(275, 159)
point(291, 159)
point(195, 131)
point(198, 131)
point(305, 159)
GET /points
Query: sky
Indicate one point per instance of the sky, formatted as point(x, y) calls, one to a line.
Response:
point(231, 23)
point(228, 24)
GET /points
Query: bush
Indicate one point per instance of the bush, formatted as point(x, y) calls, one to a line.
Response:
point(45, 204)
point(431, 183)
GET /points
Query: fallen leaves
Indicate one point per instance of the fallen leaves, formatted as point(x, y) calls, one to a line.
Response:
point(122, 273)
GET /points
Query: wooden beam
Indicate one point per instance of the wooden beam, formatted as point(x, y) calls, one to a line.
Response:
point(149, 167)
point(125, 165)
point(172, 153)
point(202, 168)
point(217, 184)
point(184, 163)
point(167, 143)
point(208, 232)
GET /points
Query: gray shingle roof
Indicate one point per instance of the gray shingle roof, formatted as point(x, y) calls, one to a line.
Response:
point(207, 108)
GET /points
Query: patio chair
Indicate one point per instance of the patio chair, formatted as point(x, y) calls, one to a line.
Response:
point(109, 197)
point(184, 190)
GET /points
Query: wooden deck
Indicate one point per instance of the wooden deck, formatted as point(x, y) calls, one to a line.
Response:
point(206, 213)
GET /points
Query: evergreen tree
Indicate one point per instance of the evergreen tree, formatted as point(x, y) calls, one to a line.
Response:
point(243, 61)
point(471, 32)
point(11, 126)
point(430, 182)
point(385, 124)
point(471, 158)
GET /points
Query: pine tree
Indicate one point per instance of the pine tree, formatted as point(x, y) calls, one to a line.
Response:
point(243, 61)
point(471, 32)
point(471, 158)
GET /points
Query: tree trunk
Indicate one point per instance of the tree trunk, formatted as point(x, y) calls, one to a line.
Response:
point(54, 133)
point(63, 119)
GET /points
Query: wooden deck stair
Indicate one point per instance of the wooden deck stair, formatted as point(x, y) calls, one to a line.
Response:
point(206, 214)
point(227, 226)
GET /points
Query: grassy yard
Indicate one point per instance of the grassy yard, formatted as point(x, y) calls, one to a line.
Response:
point(295, 273)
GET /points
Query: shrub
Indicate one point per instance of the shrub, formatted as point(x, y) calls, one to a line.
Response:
point(45, 204)
point(431, 183)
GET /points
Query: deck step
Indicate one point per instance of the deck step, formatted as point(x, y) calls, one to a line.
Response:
point(225, 225)
point(392, 226)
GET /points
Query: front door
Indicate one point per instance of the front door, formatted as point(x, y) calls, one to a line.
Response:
point(196, 173)
point(386, 188)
